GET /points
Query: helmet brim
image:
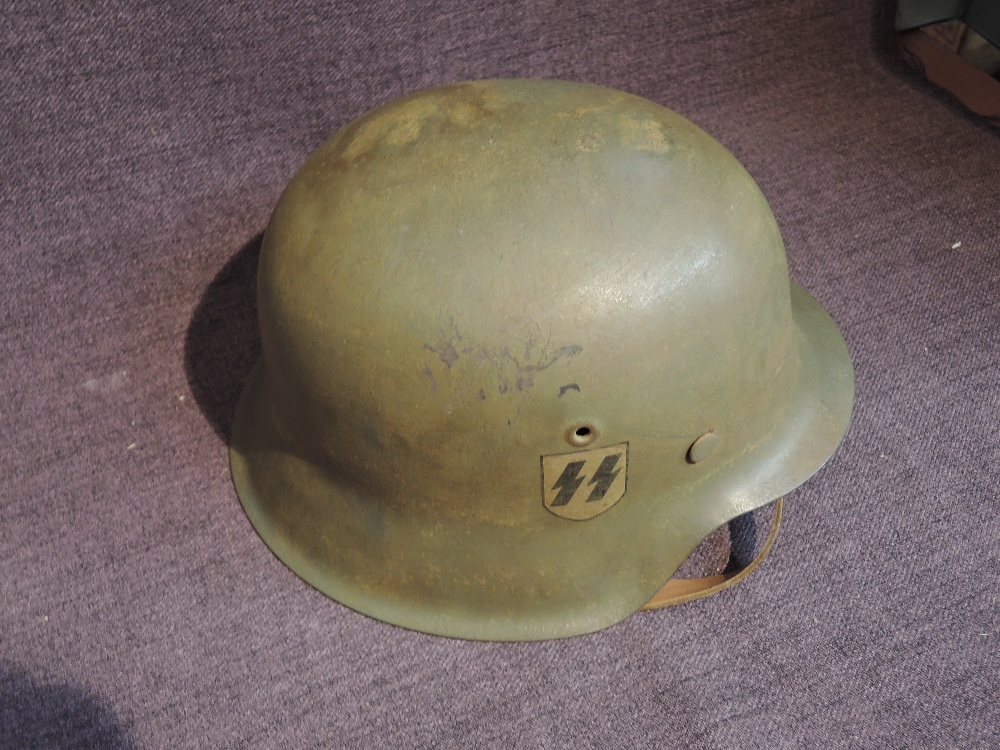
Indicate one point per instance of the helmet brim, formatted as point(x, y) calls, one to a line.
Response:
point(819, 413)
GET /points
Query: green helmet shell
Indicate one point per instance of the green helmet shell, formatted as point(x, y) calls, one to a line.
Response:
point(524, 345)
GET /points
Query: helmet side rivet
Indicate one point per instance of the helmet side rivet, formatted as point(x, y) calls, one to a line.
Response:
point(702, 448)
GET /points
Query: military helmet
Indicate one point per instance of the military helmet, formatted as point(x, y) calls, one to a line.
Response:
point(525, 343)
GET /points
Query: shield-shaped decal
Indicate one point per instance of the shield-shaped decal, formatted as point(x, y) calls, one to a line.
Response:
point(584, 484)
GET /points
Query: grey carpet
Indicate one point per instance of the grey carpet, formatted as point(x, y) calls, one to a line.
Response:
point(143, 146)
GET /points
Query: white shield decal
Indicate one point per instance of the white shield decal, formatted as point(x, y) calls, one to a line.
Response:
point(584, 484)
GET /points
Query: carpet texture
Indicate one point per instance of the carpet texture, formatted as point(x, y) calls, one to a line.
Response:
point(143, 146)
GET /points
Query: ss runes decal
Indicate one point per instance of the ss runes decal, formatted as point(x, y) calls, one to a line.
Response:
point(584, 484)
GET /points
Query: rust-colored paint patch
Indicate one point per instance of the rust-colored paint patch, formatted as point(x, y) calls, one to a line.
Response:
point(644, 135)
point(402, 124)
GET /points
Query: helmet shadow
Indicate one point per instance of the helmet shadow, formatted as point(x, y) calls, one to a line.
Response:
point(223, 340)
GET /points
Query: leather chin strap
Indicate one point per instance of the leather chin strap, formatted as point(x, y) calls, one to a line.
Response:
point(681, 590)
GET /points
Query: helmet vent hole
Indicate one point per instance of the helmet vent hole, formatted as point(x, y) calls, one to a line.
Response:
point(582, 434)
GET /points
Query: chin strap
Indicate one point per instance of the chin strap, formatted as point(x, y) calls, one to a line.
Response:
point(680, 590)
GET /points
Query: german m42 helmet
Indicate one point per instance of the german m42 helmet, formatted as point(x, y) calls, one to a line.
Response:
point(524, 345)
